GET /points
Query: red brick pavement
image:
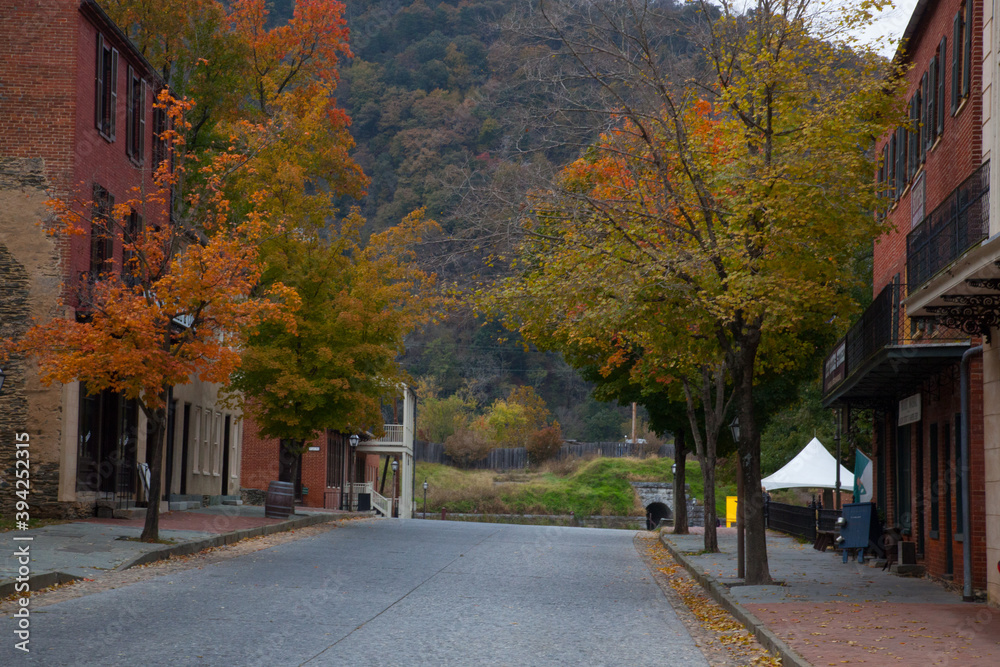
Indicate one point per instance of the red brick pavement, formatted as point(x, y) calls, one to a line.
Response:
point(884, 633)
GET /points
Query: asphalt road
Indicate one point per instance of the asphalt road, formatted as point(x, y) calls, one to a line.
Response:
point(384, 592)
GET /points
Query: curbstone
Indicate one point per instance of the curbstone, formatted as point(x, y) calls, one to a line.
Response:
point(188, 548)
point(37, 582)
point(721, 595)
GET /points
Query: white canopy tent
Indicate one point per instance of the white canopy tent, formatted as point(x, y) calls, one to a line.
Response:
point(813, 468)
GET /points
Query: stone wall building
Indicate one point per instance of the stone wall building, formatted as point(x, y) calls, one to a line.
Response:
point(76, 125)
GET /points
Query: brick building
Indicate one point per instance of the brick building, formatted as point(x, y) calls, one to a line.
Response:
point(331, 474)
point(904, 358)
point(77, 124)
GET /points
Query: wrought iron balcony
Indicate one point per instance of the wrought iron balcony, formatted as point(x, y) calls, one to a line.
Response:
point(885, 353)
point(954, 227)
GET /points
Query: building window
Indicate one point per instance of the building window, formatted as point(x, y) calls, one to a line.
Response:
point(135, 118)
point(196, 440)
point(931, 95)
point(131, 271)
point(106, 93)
point(159, 143)
point(101, 243)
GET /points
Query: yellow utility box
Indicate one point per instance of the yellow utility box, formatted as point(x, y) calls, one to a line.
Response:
point(731, 511)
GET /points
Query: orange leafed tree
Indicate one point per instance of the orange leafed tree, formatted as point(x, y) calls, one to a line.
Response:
point(174, 308)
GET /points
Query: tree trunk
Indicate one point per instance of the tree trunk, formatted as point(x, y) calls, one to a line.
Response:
point(708, 474)
point(757, 570)
point(154, 457)
point(680, 495)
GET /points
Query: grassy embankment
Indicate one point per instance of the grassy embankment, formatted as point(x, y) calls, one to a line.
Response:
point(584, 487)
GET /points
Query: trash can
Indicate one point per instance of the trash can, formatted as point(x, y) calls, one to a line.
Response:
point(364, 502)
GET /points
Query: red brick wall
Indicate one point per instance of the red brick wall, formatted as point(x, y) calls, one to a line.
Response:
point(956, 155)
point(259, 465)
point(49, 51)
point(38, 46)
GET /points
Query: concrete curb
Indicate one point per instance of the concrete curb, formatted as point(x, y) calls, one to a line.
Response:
point(45, 579)
point(721, 595)
point(222, 539)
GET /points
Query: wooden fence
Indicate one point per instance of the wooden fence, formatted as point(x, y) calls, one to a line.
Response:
point(514, 458)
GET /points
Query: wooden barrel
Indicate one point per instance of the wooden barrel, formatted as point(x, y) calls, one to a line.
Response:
point(280, 502)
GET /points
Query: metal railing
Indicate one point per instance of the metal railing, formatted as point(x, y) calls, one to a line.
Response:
point(883, 323)
point(880, 325)
point(792, 519)
point(954, 227)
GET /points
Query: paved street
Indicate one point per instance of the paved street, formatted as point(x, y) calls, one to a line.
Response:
point(382, 593)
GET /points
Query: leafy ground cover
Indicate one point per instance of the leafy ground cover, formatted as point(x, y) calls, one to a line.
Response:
point(596, 486)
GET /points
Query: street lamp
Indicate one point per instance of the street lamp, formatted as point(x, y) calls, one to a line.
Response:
point(425, 498)
point(354, 440)
point(740, 559)
point(395, 488)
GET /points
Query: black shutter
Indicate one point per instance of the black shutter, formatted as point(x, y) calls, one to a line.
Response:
point(967, 59)
point(942, 50)
point(114, 92)
point(129, 113)
point(931, 94)
point(99, 86)
point(141, 144)
point(914, 135)
point(956, 60)
point(924, 124)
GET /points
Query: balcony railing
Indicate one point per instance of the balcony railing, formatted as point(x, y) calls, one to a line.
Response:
point(878, 326)
point(393, 433)
point(957, 225)
point(883, 324)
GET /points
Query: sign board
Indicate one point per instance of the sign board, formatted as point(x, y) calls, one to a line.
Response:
point(862, 478)
point(314, 449)
point(909, 410)
point(835, 366)
point(918, 196)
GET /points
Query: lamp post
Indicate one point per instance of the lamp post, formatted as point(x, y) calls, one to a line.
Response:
point(395, 488)
point(740, 559)
point(425, 498)
point(354, 439)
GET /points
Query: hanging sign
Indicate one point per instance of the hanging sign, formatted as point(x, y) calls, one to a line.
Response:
point(909, 410)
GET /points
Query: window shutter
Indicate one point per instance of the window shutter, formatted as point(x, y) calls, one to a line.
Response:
point(900, 161)
point(967, 60)
point(931, 95)
point(924, 125)
point(99, 85)
point(892, 167)
point(942, 50)
point(141, 144)
point(956, 59)
point(129, 112)
point(914, 135)
point(114, 91)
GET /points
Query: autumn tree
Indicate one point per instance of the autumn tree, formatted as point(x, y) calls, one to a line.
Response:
point(329, 368)
point(712, 224)
point(175, 308)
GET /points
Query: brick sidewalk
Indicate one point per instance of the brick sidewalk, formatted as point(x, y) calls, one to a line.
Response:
point(831, 613)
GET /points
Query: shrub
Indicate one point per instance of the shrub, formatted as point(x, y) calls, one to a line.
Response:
point(466, 446)
point(544, 444)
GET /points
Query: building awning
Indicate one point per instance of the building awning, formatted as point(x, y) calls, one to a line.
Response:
point(893, 372)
